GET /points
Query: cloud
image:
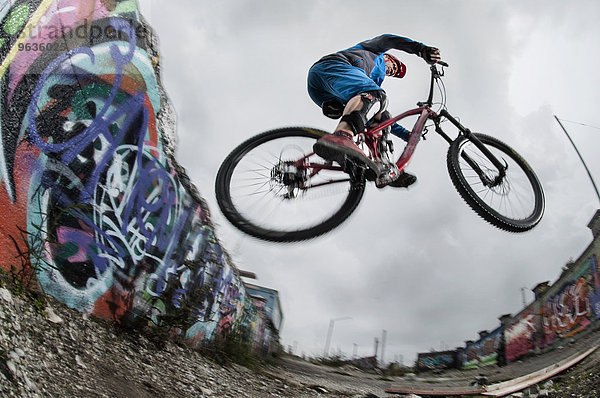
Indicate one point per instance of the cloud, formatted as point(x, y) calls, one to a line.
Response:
point(418, 263)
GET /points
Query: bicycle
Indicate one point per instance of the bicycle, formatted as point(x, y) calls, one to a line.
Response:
point(279, 168)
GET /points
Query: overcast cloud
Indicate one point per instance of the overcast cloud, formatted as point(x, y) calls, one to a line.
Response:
point(419, 263)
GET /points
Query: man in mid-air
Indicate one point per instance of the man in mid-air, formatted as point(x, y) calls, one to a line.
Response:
point(347, 84)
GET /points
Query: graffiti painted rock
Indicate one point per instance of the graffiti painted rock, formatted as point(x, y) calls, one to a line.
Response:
point(93, 204)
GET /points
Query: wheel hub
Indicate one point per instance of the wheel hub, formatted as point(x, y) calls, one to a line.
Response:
point(287, 178)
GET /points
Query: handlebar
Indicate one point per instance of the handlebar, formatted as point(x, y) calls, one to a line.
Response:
point(435, 73)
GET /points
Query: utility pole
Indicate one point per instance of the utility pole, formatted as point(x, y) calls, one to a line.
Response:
point(376, 347)
point(330, 333)
point(383, 338)
point(580, 157)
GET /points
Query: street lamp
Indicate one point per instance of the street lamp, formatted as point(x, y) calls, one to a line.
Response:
point(330, 332)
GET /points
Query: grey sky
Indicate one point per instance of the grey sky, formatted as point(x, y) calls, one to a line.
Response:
point(419, 264)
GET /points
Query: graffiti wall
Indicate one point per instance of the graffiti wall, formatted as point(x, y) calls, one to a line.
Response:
point(272, 306)
point(573, 307)
point(438, 360)
point(92, 203)
point(484, 351)
point(567, 310)
point(520, 336)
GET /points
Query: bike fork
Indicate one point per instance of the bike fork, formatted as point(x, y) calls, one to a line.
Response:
point(467, 133)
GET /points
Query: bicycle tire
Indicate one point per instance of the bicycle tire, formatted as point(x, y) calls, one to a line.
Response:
point(256, 226)
point(520, 187)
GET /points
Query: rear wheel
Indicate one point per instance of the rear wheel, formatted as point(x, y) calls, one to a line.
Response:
point(514, 202)
point(272, 187)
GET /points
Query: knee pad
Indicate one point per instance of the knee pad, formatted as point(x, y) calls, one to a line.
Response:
point(333, 109)
point(358, 119)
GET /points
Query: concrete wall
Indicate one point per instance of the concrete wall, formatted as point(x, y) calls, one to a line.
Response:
point(563, 311)
point(93, 205)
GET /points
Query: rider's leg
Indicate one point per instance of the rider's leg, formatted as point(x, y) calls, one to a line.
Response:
point(353, 105)
point(360, 109)
point(340, 144)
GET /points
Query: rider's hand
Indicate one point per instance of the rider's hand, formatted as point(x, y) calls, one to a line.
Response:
point(431, 55)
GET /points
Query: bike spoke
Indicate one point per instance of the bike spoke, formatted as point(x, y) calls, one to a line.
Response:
point(260, 191)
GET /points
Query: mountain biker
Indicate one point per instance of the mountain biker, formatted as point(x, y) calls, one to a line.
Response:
point(347, 84)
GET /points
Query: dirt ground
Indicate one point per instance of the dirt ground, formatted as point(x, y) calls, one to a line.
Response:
point(58, 352)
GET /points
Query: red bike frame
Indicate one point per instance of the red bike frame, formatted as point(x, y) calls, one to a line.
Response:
point(371, 137)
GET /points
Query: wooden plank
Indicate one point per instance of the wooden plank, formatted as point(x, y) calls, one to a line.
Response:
point(520, 383)
point(441, 391)
point(498, 389)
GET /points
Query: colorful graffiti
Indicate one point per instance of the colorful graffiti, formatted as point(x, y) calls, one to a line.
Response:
point(576, 304)
point(569, 308)
point(594, 286)
point(566, 313)
point(484, 351)
point(437, 360)
point(106, 218)
point(520, 337)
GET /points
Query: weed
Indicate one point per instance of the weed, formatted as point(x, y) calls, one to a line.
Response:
point(38, 301)
point(335, 361)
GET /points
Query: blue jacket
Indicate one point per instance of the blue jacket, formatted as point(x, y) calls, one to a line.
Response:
point(368, 55)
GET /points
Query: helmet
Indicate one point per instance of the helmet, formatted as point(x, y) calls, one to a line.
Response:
point(399, 67)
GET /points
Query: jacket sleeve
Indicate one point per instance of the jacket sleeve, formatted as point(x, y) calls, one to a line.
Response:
point(383, 43)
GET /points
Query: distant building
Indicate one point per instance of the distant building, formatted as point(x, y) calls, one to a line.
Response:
point(267, 325)
point(272, 304)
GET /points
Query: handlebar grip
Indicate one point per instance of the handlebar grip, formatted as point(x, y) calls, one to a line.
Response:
point(442, 63)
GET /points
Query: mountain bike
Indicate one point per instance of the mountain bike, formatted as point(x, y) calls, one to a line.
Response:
point(274, 187)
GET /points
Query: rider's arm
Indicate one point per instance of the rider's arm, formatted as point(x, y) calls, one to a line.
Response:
point(383, 43)
point(400, 132)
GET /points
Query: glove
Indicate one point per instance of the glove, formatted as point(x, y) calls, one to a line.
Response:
point(431, 55)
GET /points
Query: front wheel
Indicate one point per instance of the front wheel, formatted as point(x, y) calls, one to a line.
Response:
point(514, 202)
point(275, 188)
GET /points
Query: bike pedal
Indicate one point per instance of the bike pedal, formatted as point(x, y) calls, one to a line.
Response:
point(370, 175)
point(355, 170)
point(358, 170)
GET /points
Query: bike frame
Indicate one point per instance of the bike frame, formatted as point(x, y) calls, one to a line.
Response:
point(426, 113)
point(372, 135)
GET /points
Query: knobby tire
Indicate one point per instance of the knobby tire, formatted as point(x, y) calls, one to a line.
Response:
point(234, 213)
point(520, 187)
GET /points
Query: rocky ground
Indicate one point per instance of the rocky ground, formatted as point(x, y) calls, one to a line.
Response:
point(48, 350)
point(582, 380)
